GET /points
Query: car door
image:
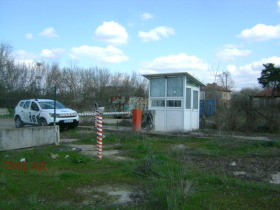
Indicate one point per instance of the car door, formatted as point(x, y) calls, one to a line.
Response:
point(34, 113)
point(24, 115)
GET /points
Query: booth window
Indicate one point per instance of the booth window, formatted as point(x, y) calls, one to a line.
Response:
point(195, 99)
point(158, 103)
point(188, 98)
point(173, 103)
point(157, 86)
point(174, 86)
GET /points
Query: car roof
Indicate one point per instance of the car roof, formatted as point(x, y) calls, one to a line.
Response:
point(36, 99)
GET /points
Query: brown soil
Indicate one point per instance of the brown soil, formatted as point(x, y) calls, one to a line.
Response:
point(260, 169)
point(110, 195)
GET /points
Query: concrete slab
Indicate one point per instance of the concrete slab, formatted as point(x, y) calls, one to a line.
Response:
point(4, 111)
point(17, 138)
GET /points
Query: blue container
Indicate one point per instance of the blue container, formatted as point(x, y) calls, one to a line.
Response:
point(207, 107)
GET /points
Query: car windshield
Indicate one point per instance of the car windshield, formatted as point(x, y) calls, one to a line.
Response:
point(50, 105)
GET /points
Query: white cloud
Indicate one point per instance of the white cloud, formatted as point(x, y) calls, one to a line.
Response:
point(247, 75)
point(156, 33)
point(49, 32)
point(147, 16)
point(109, 54)
point(261, 32)
point(232, 69)
point(231, 53)
point(54, 53)
point(112, 33)
point(22, 56)
point(258, 65)
point(278, 3)
point(177, 63)
point(28, 36)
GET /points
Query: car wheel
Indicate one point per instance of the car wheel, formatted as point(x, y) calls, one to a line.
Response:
point(73, 125)
point(18, 122)
point(43, 122)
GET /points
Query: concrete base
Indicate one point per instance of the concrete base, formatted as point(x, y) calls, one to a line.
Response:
point(4, 111)
point(16, 138)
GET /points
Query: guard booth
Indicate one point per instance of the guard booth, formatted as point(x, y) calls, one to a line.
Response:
point(174, 97)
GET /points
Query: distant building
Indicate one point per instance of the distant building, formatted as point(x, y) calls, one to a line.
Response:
point(267, 93)
point(127, 103)
point(221, 95)
point(265, 97)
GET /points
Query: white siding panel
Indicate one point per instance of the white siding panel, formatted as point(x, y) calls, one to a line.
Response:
point(160, 120)
point(187, 120)
point(174, 120)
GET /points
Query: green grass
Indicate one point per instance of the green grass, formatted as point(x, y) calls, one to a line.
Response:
point(153, 167)
point(10, 115)
point(231, 146)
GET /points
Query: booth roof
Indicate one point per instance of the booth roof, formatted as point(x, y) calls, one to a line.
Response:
point(148, 76)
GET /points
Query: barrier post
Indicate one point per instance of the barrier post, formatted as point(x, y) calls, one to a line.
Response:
point(137, 119)
point(99, 132)
point(96, 117)
point(95, 114)
point(99, 136)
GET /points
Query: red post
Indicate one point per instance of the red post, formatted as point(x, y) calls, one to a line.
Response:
point(137, 119)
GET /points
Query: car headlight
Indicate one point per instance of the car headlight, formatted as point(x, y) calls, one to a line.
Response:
point(52, 115)
point(65, 115)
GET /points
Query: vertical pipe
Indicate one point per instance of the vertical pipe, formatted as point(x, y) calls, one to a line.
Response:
point(54, 118)
point(137, 119)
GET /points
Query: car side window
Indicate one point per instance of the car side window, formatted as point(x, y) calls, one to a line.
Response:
point(26, 105)
point(34, 106)
point(21, 103)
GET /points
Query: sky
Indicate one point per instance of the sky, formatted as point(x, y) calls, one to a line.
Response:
point(201, 37)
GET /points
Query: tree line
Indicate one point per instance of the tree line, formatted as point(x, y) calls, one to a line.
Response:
point(77, 87)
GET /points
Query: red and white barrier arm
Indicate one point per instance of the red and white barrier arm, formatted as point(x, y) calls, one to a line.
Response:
point(105, 113)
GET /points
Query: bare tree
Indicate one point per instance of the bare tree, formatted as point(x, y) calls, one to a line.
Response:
point(75, 86)
point(215, 72)
point(54, 79)
point(225, 80)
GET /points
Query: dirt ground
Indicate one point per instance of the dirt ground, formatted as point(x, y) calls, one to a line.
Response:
point(255, 168)
point(110, 194)
point(247, 169)
point(259, 169)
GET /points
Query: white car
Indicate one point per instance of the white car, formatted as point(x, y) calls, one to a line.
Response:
point(42, 112)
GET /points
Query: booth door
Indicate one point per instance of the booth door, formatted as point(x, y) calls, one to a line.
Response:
point(195, 110)
point(191, 113)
